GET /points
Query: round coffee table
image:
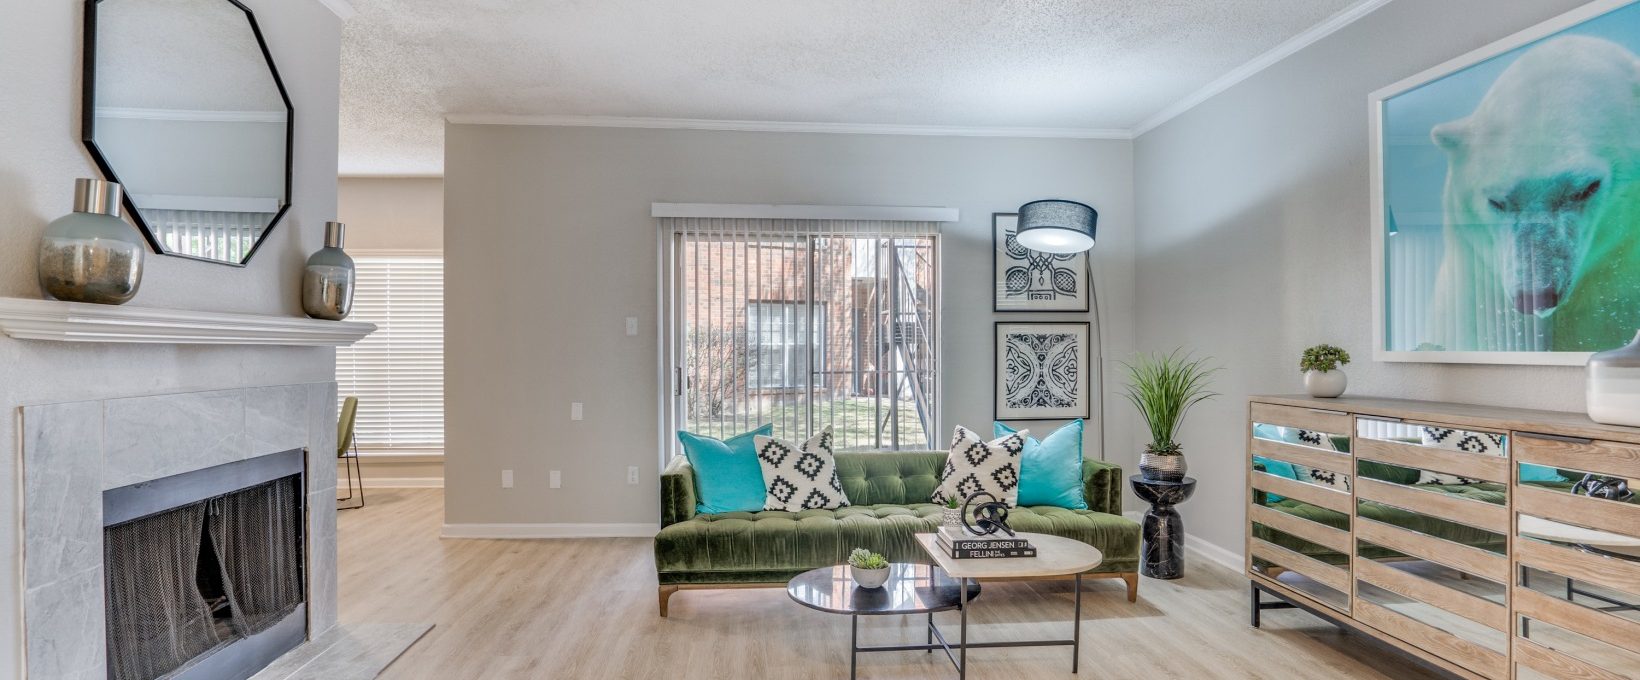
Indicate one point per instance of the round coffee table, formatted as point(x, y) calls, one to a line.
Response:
point(910, 589)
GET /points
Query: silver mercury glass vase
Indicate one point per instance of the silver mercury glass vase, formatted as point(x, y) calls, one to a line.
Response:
point(327, 284)
point(91, 255)
point(1161, 468)
point(1614, 385)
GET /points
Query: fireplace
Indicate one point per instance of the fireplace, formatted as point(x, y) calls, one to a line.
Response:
point(204, 570)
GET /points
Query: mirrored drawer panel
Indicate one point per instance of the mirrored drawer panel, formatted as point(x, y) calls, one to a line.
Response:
point(1433, 436)
point(1299, 509)
point(1580, 648)
point(1457, 580)
point(1586, 594)
point(1315, 590)
point(1333, 423)
point(1436, 617)
point(1442, 455)
point(1435, 527)
point(1465, 501)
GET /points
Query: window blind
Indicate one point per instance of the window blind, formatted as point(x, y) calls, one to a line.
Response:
point(397, 372)
point(801, 324)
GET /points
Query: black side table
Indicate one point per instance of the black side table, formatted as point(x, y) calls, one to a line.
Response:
point(1163, 528)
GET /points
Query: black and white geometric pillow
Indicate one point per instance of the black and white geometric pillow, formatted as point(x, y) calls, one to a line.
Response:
point(976, 465)
point(800, 477)
point(1480, 443)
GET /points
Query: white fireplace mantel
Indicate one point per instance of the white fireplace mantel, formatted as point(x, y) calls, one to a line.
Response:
point(83, 322)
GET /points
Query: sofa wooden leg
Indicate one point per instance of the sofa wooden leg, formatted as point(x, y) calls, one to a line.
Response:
point(1132, 579)
point(665, 593)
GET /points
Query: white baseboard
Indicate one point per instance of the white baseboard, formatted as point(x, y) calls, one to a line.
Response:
point(549, 531)
point(400, 482)
point(1215, 554)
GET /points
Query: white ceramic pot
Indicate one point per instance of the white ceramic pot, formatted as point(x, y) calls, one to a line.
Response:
point(1325, 384)
point(1614, 385)
point(951, 517)
point(869, 578)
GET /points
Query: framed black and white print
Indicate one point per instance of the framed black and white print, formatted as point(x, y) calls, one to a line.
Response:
point(1042, 371)
point(1031, 281)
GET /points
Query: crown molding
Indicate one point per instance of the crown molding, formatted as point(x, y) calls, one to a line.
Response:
point(341, 8)
point(782, 126)
point(1287, 48)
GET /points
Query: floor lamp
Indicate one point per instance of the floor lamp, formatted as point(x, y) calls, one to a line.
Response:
point(1065, 227)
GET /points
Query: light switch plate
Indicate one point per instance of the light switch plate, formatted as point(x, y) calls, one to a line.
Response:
point(576, 411)
point(632, 474)
point(554, 480)
point(631, 325)
point(506, 479)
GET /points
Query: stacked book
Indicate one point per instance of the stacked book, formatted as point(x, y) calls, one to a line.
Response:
point(960, 544)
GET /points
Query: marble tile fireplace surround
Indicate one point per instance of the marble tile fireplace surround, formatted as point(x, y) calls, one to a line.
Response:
point(73, 452)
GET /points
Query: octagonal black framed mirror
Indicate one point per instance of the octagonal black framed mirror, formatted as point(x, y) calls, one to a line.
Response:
point(183, 105)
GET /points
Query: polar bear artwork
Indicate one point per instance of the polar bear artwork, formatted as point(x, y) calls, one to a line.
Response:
point(1542, 206)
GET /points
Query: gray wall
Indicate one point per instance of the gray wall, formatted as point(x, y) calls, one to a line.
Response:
point(40, 69)
point(1254, 236)
point(394, 213)
point(549, 246)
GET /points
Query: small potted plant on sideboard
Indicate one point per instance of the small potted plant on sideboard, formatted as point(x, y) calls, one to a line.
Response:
point(1322, 376)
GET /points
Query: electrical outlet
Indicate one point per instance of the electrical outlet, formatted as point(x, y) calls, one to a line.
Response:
point(554, 480)
point(576, 411)
point(631, 325)
point(506, 479)
point(632, 474)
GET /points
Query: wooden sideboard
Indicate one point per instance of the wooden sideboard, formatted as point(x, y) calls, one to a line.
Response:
point(1456, 533)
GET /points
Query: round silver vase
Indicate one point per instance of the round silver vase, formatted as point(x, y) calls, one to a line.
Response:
point(327, 283)
point(91, 255)
point(1162, 468)
point(1614, 385)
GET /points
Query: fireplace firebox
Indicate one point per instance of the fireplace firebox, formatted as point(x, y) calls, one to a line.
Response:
point(204, 571)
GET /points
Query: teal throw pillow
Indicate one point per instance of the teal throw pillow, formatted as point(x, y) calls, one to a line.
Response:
point(727, 476)
point(1539, 473)
point(1050, 471)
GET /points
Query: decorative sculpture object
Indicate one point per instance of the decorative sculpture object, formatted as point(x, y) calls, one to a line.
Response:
point(989, 517)
point(1609, 488)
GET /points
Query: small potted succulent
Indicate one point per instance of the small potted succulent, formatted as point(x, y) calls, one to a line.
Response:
point(1322, 377)
point(951, 514)
point(870, 570)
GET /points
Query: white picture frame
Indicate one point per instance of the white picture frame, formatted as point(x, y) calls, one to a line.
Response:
point(1380, 229)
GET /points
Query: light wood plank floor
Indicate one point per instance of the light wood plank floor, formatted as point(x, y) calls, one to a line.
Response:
point(585, 608)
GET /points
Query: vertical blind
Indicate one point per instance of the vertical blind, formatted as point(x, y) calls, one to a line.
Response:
point(214, 234)
point(801, 324)
point(397, 372)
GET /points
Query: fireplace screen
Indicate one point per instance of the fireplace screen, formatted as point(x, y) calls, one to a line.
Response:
point(190, 580)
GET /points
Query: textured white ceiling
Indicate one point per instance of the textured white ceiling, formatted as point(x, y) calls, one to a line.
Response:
point(1093, 64)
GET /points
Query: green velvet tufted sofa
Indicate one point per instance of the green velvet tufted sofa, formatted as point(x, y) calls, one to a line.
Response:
point(889, 494)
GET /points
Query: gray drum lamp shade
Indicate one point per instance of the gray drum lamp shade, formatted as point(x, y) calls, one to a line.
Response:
point(1057, 226)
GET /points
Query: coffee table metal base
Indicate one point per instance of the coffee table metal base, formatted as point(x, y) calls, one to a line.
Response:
point(960, 658)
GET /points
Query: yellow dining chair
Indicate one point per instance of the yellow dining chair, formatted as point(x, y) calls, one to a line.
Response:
point(347, 451)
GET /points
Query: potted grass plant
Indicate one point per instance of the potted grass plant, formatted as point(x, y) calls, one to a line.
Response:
point(1164, 388)
point(869, 569)
point(1322, 377)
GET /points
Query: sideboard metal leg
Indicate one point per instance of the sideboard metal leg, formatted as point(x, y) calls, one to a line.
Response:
point(1254, 588)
